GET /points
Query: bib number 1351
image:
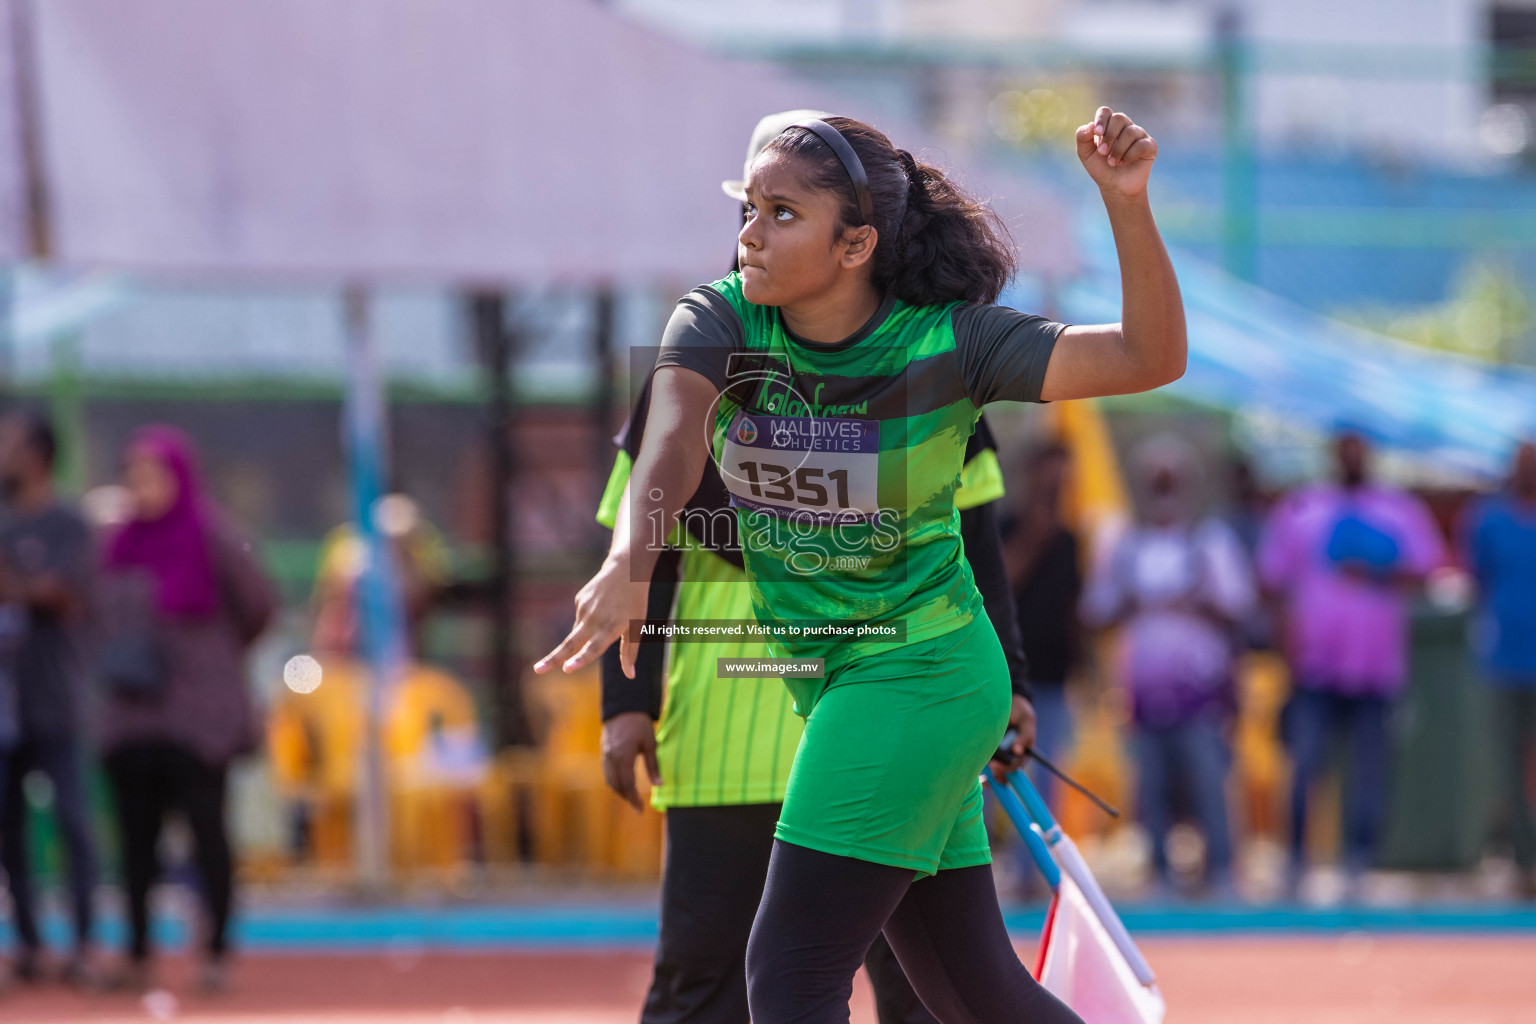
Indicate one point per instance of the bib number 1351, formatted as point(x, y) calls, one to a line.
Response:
point(794, 465)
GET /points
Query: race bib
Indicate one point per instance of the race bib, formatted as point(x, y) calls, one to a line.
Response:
point(825, 467)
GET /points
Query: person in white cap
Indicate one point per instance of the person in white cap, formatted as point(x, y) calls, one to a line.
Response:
point(768, 129)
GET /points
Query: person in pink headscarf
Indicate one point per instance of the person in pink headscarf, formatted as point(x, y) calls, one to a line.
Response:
point(178, 709)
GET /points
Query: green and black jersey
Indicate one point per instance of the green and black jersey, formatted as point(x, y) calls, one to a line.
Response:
point(731, 741)
point(843, 459)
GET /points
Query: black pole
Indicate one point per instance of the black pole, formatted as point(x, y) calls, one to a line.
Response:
point(29, 132)
point(495, 343)
point(605, 317)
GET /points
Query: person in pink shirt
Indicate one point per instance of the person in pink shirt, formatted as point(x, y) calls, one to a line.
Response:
point(1344, 558)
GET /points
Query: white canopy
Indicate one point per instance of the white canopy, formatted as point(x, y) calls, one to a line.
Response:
point(456, 141)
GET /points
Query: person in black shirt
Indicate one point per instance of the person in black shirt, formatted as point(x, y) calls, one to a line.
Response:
point(1044, 564)
point(45, 573)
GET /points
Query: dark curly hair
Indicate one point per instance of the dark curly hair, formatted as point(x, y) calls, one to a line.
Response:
point(937, 243)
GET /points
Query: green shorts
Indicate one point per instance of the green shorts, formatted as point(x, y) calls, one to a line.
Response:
point(894, 743)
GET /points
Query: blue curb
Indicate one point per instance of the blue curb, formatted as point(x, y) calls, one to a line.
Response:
point(408, 931)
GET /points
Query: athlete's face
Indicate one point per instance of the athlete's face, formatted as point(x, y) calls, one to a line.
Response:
point(791, 247)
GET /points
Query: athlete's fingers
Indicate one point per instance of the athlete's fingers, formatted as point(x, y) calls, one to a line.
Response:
point(1115, 127)
point(624, 770)
point(629, 652)
point(652, 768)
point(1088, 140)
point(1127, 138)
point(1101, 120)
point(1028, 733)
point(1013, 763)
point(559, 654)
point(611, 772)
point(589, 653)
point(1085, 141)
point(1145, 148)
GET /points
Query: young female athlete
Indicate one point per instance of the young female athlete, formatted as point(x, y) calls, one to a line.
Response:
point(835, 381)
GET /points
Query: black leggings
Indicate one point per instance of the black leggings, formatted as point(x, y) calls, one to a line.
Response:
point(820, 913)
point(148, 780)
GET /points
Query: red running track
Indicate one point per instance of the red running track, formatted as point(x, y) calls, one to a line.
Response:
point(1348, 979)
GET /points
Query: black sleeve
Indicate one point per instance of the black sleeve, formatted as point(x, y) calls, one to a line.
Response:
point(644, 692)
point(629, 437)
point(984, 550)
point(1003, 353)
point(702, 334)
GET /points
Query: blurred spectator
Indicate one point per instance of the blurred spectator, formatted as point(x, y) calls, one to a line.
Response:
point(1500, 538)
point(422, 566)
point(1246, 508)
point(12, 623)
point(173, 725)
point(1044, 563)
point(434, 755)
point(45, 569)
point(1343, 558)
point(1180, 585)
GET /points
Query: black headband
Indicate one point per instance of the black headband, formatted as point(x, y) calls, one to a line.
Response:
point(851, 163)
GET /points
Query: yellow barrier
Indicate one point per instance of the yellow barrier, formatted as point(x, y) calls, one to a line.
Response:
point(551, 802)
point(576, 819)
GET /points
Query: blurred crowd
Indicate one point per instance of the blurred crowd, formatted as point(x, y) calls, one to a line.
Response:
point(124, 639)
point(124, 643)
point(157, 609)
point(1175, 607)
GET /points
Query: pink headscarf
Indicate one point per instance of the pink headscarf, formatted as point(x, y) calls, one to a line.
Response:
point(176, 548)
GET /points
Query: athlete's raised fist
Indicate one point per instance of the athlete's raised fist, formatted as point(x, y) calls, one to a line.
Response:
point(1117, 153)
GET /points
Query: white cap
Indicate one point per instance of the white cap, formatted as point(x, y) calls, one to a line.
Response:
point(768, 129)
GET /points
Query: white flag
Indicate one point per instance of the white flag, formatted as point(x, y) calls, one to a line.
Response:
point(1080, 965)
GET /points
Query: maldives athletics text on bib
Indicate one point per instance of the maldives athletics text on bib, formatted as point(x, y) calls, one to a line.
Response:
point(822, 468)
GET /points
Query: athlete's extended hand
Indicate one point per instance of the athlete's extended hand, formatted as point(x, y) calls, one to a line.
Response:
point(1021, 718)
point(1117, 154)
point(626, 737)
point(604, 609)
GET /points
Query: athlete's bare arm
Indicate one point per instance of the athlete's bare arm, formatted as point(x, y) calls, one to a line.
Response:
point(667, 472)
point(1148, 348)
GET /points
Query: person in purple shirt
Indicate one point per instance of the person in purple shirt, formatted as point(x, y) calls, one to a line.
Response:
point(1343, 558)
point(1179, 585)
point(1499, 538)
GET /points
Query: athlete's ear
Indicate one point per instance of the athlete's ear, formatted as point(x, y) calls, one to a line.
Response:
point(859, 246)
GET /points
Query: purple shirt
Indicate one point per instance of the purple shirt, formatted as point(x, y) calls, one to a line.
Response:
point(1346, 634)
point(1176, 661)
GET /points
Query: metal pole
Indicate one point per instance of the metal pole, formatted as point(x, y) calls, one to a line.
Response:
point(1239, 172)
point(1071, 863)
point(605, 320)
point(378, 597)
point(29, 131)
point(1033, 840)
point(495, 342)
